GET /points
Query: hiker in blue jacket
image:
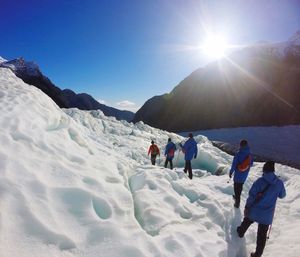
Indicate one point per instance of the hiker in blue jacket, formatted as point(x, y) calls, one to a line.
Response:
point(190, 150)
point(260, 205)
point(241, 164)
point(169, 153)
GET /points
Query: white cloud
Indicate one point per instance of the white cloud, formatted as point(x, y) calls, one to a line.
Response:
point(127, 105)
point(101, 101)
point(122, 105)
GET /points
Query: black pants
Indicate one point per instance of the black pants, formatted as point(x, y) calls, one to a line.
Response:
point(188, 167)
point(153, 159)
point(261, 235)
point(238, 187)
point(171, 163)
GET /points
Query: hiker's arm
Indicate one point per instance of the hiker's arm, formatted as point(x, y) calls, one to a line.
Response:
point(282, 193)
point(252, 194)
point(166, 150)
point(196, 151)
point(234, 164)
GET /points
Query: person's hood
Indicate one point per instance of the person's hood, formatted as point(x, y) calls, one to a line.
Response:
point(244, 151)
point(270, 177)
point(191, 139)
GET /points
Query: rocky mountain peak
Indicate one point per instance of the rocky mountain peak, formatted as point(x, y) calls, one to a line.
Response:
point(20, 65)
point(295, 39)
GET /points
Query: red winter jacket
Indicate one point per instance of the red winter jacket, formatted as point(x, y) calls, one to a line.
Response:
point(153, 149)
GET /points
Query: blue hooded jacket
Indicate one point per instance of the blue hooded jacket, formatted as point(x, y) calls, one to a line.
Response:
point(190, 149)
point(240, 156)
point(263, 210)
point(168, 151)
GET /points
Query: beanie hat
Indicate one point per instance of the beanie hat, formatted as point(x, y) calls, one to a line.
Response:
point(152, 142)
point(243, 143)
point(269, 167)
point(190, 135)
point(169, 140)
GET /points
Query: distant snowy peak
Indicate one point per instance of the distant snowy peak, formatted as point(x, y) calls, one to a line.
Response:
point(2, 60)
point(19, 65)
point(290, 47)
point(30, 73)
point(295, 39)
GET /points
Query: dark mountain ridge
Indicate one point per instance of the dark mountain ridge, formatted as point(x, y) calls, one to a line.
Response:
point(255, 86)
point(30, 73)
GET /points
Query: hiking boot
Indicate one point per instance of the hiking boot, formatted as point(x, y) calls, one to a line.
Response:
point(255, 255)
point(236, 205)
point(238, 230)
point(185, 171)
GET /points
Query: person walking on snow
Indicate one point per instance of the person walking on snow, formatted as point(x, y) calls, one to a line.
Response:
point(260, 205)
point(154, 150)
point(190, 150)
point(169, 153)
point(241, 164)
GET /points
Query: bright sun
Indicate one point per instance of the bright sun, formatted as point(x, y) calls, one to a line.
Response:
point(214, 46)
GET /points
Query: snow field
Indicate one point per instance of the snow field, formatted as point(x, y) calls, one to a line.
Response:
point(75, 183)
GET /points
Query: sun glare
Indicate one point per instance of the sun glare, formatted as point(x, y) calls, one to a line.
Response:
point(214, 46)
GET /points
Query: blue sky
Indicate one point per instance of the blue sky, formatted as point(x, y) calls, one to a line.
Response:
point(131, 50)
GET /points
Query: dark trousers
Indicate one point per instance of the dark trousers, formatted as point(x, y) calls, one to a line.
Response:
point(171, 163)
point(153, 159)
point(188, 167)
point(238, 187)
point(261, 235)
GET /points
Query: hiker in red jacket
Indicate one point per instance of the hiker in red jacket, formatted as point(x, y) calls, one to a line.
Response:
point(153, 149)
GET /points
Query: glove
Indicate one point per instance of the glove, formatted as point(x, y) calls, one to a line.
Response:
point(195, 156)
point(230, 175)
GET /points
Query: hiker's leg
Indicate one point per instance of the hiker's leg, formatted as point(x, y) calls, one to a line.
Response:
point(171, 164)
point(166, 163)
point(261, 238)
point(238, 187)
point(185, 167)
point(241, 230)
point(153, 159)
point(189, 168)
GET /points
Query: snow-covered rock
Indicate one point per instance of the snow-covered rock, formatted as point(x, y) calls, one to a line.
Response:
point(78, 183)
point(2, 60)
point(283, 49)
point(295, 39)
point(19, 65)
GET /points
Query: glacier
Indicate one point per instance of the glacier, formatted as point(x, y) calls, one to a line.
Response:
point(78, 183)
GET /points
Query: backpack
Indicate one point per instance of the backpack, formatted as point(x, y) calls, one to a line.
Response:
point(245, 164)
point(171, 152)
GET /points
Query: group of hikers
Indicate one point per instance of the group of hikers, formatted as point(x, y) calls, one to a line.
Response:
point(263, 194)
point(189, 149)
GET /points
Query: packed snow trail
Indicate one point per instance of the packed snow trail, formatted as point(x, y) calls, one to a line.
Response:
point(77, 183)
